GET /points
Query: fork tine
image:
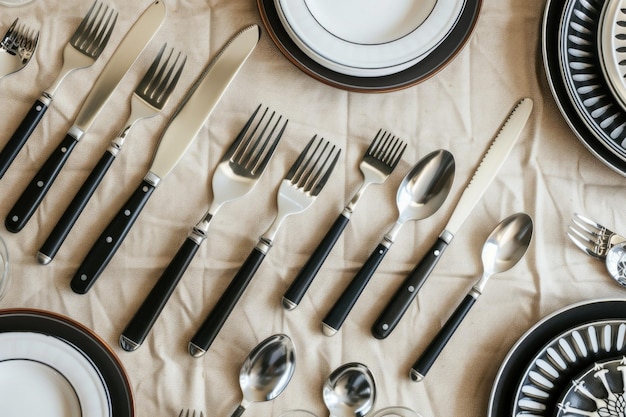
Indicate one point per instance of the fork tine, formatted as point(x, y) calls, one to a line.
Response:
point(311, 175)
point(94, 31)
point(387, 148)
point(586, 223)
point(157, 85)
point(582, 243)
point(242, 134)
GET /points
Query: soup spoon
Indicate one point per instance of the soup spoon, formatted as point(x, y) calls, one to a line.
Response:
point(350, 391)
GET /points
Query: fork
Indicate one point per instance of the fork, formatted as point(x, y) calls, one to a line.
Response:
point(82, 50)
point(591, 237)
point(150, 96)
point(379, 160)
point(237, 173)
point(190, 413)
point(298, 190)
point(17, 48)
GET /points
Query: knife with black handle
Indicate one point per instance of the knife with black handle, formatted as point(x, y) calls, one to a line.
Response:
point(180, 132)
point(120, 62)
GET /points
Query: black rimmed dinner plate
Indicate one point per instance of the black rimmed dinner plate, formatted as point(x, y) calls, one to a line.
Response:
point(521, 356)
point(436, 60)
point(550, 51)
point(110, 376)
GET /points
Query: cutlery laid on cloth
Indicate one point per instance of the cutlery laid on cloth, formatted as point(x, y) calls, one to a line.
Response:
point(17, 48)
point(122, 59)
point(379, 161)
point(421, 193)
point(82, 50)
point(236, 175)
point(483, 176)
point(304, 181)
point(601, 243)
point(504, 248)
point(149, 98)
point(180, 132)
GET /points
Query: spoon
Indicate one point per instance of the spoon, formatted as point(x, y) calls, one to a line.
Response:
point(422, 191)
point(266, 371)
point(350, 391)
point(504, 247)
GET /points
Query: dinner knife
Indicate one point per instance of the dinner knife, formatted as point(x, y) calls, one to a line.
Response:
point(122, 59)
point(180, 132)
point(483, 176)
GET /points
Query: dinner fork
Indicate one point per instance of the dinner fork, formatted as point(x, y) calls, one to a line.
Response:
point(190, 413)
point(237, 173)
point(298, 190)
point(82, 50)
point(16, 48)
point(150, 96)
point(379, 160)
point(591, 237)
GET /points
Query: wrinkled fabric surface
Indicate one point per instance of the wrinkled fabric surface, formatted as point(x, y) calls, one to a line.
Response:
point(549, 175)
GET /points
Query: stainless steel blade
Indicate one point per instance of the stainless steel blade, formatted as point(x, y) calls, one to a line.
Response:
point(489, 166)
point(122, 59)
point(200, 102)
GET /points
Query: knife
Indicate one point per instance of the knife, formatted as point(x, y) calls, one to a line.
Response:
point(122, 59)
point(182, 128)
point(483, 176)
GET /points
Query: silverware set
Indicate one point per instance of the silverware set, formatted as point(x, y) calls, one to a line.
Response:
point(601, 243)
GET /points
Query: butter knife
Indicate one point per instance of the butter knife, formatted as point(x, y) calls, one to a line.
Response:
point(482, 178)
point(122, 59)
point(184, 126)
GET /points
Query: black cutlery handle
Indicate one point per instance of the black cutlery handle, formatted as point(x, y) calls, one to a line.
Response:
point(421, 367)
point(110, 240)
point(340, 310)
point(63, 227)
point(406, 293)
point(21, 135)
point(300, 285)
point(34, 193)
point(140, 325)
point(214, 322)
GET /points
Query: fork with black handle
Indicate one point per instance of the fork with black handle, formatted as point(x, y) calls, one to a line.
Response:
point(150, 96)
point(304, 181)
point(379, 161)
point(82, 50)
point(237, 173)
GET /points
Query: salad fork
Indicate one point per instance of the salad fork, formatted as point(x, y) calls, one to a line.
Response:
point(236, 174)
point(304, 181)
point(82, 50)
point(150, 96)
point(17, 48)
point(591, 237)
point(377, 163)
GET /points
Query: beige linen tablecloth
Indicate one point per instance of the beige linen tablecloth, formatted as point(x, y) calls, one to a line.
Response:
point(549, 175)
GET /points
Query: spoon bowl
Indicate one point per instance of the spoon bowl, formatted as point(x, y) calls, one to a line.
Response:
point(350, 391)
point(266, 371)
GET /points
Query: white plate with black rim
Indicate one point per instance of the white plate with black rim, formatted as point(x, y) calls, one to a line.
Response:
point(52, 366)
point(368, 38)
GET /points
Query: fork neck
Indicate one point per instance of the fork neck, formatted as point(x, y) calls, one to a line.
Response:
point(349, 209)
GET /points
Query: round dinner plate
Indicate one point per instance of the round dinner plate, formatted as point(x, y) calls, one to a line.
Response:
point(426, 67)
point(538, 337)
point(560, 91)
point(367, 37)
point(63, 365)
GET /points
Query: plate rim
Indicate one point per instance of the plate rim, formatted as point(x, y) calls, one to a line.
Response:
point(389, 83)
point(120, 407)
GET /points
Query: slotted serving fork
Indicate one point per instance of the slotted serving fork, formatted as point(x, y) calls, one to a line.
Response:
point(150, 96)
point(379, 160)
point(304, 181)
point(591, 237)
point(82, 50)
point(16, 48)
point(237, 173)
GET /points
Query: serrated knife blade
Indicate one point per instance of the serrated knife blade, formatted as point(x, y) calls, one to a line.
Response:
point(488, 168)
